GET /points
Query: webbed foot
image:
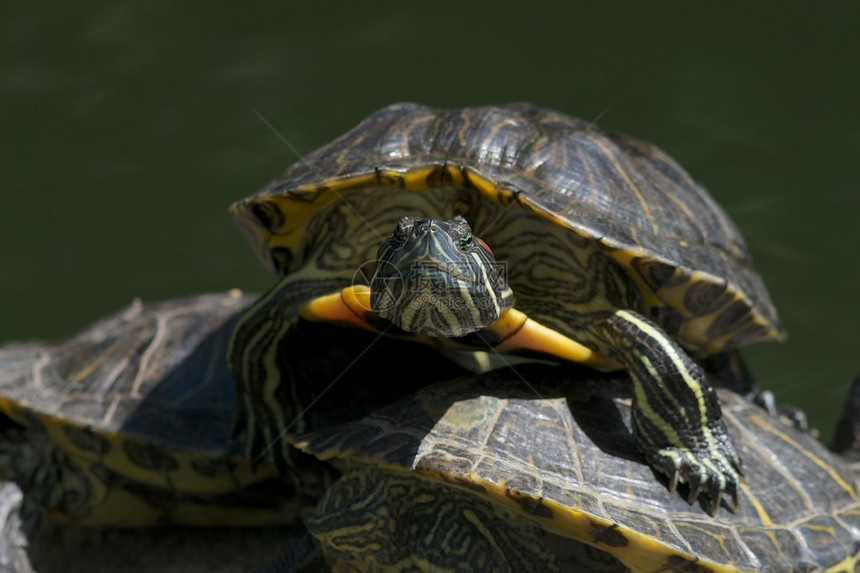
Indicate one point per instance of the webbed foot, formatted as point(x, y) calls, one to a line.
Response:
point(703, 474)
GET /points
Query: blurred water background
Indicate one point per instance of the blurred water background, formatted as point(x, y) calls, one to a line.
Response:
point(126, 129)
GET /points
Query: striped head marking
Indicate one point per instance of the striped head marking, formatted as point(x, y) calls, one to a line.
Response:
point(435, 278)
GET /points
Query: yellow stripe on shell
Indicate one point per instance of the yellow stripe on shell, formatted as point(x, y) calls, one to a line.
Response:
point(299, 211)
point(642, 552)
point(184, 477)
point(488, 189)
point(815, 459)
point(416, 179)
point(763, 515)
point(620, 170)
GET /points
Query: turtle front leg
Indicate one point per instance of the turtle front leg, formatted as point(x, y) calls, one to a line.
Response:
point(677, 420)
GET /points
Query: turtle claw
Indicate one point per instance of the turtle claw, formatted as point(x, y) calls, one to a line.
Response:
point(715, 491)
point(697, 481)
point(673, 479)
point(703, 476)
point(732, 489)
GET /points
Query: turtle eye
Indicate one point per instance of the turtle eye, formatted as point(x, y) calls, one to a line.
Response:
point(466, 241)
point(399, 235)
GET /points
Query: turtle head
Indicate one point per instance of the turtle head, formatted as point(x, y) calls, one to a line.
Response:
point(435, 278)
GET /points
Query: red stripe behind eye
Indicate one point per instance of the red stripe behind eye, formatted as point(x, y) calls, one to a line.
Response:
point(485, 245)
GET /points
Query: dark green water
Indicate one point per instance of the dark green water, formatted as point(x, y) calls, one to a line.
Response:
point(127, 129)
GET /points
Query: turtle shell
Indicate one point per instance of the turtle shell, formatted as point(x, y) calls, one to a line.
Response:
point(136, 372)
point(665, 230)
point(561, 456)
point(136, 414)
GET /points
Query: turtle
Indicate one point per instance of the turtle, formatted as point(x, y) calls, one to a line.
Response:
point(488, 473)
point(516, 228)
point(128, 423)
